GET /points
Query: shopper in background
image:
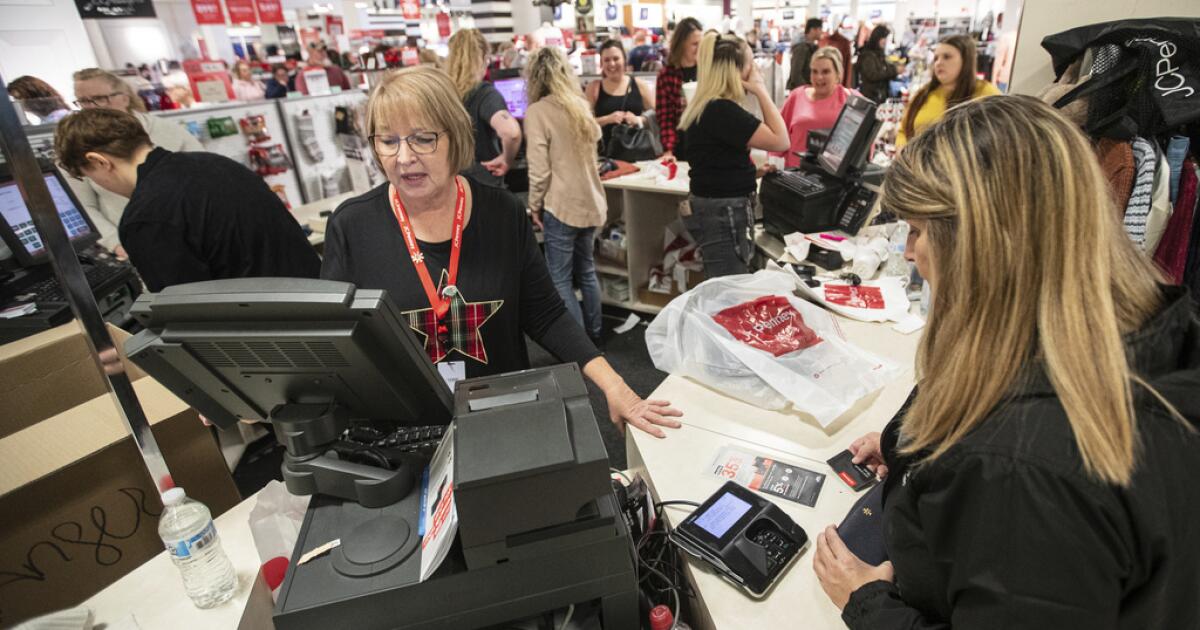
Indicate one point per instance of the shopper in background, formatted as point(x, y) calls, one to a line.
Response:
point(641, 51)
point(875, 72)
point(277, 85)
point(952, 82)
point(178, 86)
point(38, 98)
point(100, 89)
point(497, 133)
point(802, 52)
point(1041, 490)
point(499, 289)
point(245, 86)
point(191, 216)
point(720, 136)
point(565, 195)
point(617, 97)
point(318, 58)
point(669, 100)
point(814, 106)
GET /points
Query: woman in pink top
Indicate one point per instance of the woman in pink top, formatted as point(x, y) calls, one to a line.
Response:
point(814, 106)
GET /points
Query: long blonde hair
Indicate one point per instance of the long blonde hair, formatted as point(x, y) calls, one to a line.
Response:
point(1032, 267)
point(468, 50)
point(718, 74)
point(136, 104)
point(549, 76)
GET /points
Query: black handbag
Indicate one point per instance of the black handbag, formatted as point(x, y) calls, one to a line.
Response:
point(634, 144)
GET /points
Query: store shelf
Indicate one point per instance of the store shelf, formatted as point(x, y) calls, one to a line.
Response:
point(611, 269)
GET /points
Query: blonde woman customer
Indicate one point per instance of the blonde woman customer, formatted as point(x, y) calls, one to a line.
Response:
point(565, 194)
point(99, 88)
point(720, 135)
point(497, 133)
point(245, 86)
point(952, 82)
point(815, 105)
point(1035, 481)
point(617, 98)
point(422, 139)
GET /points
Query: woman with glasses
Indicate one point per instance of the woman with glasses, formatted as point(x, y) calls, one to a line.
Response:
point(458, 257)
point(96, 88)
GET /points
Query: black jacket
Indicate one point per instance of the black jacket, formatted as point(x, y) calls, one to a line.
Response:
point(875, 73)
point(1005, 531)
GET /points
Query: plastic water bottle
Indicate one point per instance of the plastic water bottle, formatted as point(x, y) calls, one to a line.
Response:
point(186, 528)
point(896, 264)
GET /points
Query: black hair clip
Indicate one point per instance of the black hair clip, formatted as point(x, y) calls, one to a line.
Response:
point(851, 278)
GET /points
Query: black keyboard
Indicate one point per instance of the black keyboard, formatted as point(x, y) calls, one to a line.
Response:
point(801, 183)
point(48, 290)
point(369, 445)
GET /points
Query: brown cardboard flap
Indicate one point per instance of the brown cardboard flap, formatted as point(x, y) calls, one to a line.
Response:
point(72, 533)
point(74, 434)
point(50, 372)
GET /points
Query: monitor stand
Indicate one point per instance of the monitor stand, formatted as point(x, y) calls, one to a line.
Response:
point(308, 431)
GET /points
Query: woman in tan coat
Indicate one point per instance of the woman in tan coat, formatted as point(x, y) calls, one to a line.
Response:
point(565, 194)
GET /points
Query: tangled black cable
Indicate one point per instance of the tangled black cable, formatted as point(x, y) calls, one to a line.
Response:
point(660, 566)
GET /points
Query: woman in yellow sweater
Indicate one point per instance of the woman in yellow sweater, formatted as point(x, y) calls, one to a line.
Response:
point(953, 82)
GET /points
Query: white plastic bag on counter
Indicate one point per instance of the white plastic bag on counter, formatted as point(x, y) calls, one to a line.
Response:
point(750, 337)
point(275, 523)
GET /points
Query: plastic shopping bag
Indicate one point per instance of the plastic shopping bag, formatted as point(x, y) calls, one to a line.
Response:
point(750, 337)
point(275, 524)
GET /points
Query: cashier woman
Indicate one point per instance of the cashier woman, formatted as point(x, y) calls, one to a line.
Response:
point(1052, 485)
point(458, 257)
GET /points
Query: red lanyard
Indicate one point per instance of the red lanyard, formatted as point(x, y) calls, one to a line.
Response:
point(440, 303)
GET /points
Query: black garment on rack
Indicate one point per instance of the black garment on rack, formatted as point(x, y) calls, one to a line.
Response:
point(1145, 74)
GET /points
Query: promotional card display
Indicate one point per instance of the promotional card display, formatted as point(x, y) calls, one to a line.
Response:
point(768, 475)
point(221, 127)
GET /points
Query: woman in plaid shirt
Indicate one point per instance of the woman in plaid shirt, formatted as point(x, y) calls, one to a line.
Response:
point(668, 90)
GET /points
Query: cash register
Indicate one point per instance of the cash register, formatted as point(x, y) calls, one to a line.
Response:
point(834, 188)
point(539, 527)
point(28, 284)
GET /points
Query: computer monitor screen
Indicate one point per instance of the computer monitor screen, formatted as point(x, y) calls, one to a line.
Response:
point(515, 97)
point(241, 348)
point(18, 229)
point(851, 137)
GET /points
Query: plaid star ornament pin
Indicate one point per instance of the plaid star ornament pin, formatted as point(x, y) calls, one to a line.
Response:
point(458, 329)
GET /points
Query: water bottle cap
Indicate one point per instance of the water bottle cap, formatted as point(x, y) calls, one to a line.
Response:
point(174, 496)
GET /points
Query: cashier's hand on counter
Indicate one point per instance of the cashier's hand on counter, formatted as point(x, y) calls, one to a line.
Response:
point(626, 407)
point(840, 571)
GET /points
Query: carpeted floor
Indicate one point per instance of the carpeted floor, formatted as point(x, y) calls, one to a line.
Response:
point(626, 353)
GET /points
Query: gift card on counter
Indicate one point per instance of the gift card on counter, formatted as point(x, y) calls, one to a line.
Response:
point(768, 475)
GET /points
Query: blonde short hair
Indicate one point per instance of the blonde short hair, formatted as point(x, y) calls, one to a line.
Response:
point(425, 96)
point(832, 55)
point(136, 104)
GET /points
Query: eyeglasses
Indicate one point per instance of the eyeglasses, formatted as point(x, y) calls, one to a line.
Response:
point(421, 142)
point(97, 101)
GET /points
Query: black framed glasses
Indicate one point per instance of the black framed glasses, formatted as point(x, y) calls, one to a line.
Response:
point(421, 143)
point(97, 101)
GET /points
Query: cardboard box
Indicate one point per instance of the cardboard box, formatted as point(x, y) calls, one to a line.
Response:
point(646, 296)
point(78, 509)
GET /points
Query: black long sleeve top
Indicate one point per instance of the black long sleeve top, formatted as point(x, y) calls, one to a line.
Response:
point(503, 280)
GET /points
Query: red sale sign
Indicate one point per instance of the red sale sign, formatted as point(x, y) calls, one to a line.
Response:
point(443, 24)
point(412, 9)
point(769, 323)
point(241, 11)
point(270, 11)
point(208, 11)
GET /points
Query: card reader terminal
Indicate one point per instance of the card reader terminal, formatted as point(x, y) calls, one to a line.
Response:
point(747, 539)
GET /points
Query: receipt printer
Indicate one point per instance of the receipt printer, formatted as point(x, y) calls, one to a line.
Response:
point(747, 539)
